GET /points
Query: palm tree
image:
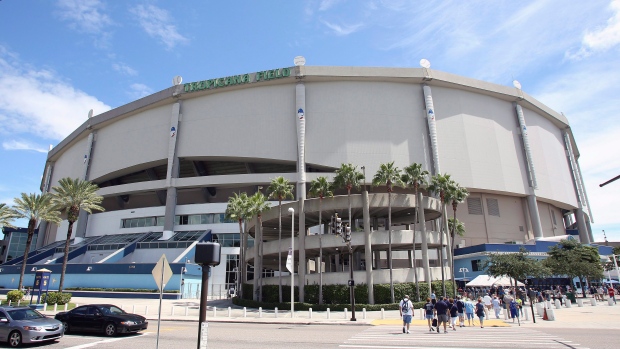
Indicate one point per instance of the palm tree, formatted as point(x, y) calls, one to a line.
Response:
point(414, 176)
point(455, 194)
point(71, 196)
point(439, 185)
point(258, 205)
point(280, 189)
point(35, 208)
point(7, 215)
point(321, 187)
point(238, 208)
point(389, 175)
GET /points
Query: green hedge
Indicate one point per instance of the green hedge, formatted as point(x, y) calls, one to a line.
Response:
point(56, 298)
point(14, 296)
point(339, 294)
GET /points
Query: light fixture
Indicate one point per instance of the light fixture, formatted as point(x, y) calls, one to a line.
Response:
point(424, 63)
point(89, 268)
point(299, 61)
point(33, 269)
point(177, 80)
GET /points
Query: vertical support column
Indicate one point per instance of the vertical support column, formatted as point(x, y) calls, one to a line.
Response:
point(80, 230)
point(172, 173)
point(584, 236)
point(424, 238)
point(529, 162)
point(300, 107)
point(368, 246)
point(258, 260)
point(432, 126)
point(301, 268)
point(42, 234)
point(528, 220)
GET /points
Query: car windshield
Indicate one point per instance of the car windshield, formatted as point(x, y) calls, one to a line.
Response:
point(25, 314)
point(111, 310)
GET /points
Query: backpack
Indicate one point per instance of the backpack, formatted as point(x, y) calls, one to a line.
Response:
point(405, 307)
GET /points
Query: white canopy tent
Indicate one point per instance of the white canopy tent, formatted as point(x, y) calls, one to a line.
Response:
point(488, 281)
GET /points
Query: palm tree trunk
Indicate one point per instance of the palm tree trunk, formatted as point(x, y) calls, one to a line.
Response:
point(452, 254)
point(441, 233)
point(415, 267)
point(320, 251)
point(241, 261)
point(31, 224)
point(260, 271)
point(280, 251)
point(65, 259)
point(390, 244)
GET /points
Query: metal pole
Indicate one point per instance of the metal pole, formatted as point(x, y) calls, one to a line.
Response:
point(203, 302)
point(292, 210)
point(616, 265)
point(161, 292)
point(352, 287)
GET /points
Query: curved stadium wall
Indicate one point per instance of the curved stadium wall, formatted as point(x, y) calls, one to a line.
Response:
point(180, 153)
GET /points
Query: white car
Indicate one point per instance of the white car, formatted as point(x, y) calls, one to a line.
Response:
point(24, 325)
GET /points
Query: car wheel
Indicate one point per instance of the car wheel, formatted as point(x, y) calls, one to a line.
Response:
point(110, 329)
point(15, 339)
point(65, 327)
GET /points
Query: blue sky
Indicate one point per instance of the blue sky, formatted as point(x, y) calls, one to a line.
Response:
point(61, 58)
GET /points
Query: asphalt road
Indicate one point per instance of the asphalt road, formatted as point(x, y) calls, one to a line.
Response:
point(175, 335)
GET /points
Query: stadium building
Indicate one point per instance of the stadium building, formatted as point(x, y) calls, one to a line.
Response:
point(168, 163)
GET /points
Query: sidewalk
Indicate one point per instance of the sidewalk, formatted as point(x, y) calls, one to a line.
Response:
point(601, 316)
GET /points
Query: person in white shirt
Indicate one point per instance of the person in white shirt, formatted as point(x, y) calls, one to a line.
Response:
point(405, 308)
point(487, 304)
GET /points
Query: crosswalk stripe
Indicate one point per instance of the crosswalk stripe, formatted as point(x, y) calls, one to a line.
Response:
point(493, 338)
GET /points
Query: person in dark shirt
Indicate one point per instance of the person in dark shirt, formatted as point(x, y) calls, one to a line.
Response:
point(460, 306)
point(429, 309)
point(441, 309)
point(453, 313)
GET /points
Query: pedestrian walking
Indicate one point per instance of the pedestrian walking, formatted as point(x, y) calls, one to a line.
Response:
point(442, 311)
point(429, 310)
point(496, 306)
point(406, 312)
point(612, 293)
point(469, 311)
point(487, 299)
point(514, 312)
point(480, 312)
point(460, 306)
point(453, 313)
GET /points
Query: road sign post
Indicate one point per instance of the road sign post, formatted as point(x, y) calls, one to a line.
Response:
point(161, 273)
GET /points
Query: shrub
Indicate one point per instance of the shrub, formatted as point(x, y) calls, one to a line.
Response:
point(56, 298)
point(14, 296)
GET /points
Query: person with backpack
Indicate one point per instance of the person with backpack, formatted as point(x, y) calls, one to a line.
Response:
point(406, 312)
point(480, 312)
point(429, 309)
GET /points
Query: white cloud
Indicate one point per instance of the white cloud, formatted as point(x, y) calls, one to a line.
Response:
point(139, 91)
point(327, 4)
point(22, 145)
point(157, 23)
point(86, 16)
point(601, 39)
point(124, 69)
point(38, 102)
point(343, 30)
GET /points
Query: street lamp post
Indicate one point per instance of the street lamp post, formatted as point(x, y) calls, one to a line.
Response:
point(364, 171)
point(292, 211)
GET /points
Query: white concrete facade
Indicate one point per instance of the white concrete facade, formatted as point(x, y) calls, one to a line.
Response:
point(359, 115)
